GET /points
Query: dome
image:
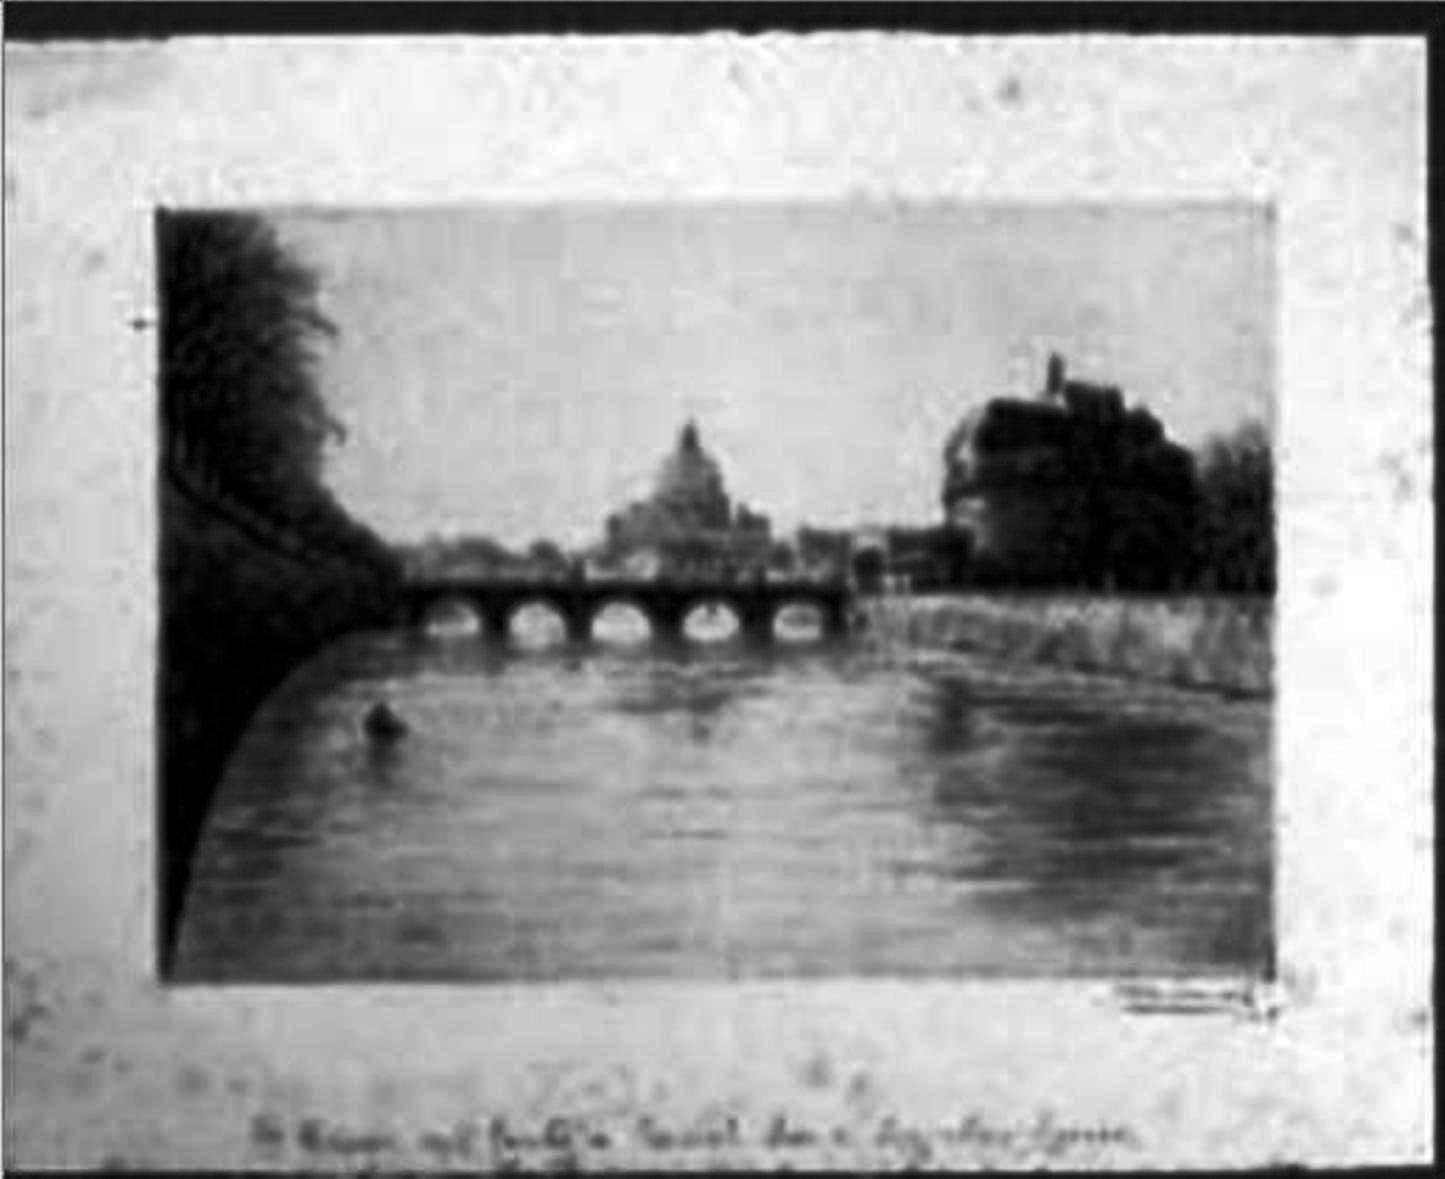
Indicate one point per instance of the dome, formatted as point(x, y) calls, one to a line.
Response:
point(690, 481)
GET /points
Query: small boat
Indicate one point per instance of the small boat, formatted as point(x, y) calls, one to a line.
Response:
point(383, 724)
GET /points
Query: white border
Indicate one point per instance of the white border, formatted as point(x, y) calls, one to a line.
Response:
point(1331, 132)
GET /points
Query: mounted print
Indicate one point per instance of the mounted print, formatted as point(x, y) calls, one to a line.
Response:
point(606, 602)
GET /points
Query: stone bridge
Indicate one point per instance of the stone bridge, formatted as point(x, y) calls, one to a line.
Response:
point(665, 603)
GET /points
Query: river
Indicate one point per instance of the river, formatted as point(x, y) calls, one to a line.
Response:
point(715, 811)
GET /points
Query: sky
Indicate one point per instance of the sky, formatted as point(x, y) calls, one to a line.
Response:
point(520, 372)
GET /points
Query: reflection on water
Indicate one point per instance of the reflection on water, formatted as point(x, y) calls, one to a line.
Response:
point(714, 810)
point(798, 624)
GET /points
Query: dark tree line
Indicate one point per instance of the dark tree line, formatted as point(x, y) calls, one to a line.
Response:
point(241, 415)
point(1235, 545)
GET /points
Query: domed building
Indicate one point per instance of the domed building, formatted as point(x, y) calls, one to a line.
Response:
point(689, 490)
point(688, 524)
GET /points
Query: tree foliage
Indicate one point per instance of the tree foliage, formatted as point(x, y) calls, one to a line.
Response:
point(1236, 534)
point(548, 554)
point(240, 408)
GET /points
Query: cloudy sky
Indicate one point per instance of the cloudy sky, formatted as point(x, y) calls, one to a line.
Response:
point(521, 372)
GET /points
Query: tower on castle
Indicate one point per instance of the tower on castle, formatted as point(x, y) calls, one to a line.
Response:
point(1054, 383)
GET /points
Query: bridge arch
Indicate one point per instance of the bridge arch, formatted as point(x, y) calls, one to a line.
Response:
point(800, 619)
point(711, 618)
point(536, 619)
point(448, 614)
point(828, 615)
point(621, 618)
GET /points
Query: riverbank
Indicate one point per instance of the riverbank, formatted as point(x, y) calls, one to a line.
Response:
point(240, 609)
point(1222, 642)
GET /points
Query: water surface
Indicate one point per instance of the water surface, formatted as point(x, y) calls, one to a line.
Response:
point(719, 811)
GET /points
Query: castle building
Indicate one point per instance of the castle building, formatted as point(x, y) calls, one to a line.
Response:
point(688, 524)
point(1071, 488)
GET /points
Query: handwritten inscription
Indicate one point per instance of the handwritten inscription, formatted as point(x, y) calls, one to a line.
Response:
point(567, 1141)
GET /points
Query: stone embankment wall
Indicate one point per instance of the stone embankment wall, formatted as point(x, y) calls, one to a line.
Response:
point(243, 603)
point(1220, 642)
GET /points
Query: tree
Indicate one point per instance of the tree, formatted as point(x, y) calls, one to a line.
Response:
point(240, 330)
point(1235, 538)
point(239, 405)
point(479, 548)
point(547, 554)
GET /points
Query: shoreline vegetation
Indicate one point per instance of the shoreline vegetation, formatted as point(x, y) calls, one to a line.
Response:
point(1214, 642)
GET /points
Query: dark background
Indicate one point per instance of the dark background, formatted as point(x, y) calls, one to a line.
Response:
point(37, 20)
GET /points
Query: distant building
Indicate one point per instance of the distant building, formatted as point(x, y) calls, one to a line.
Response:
point(824, 552)
point(460, 556)
point(928, 558)
point(642, 563)
point(688, 524)
point(1071, 488)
